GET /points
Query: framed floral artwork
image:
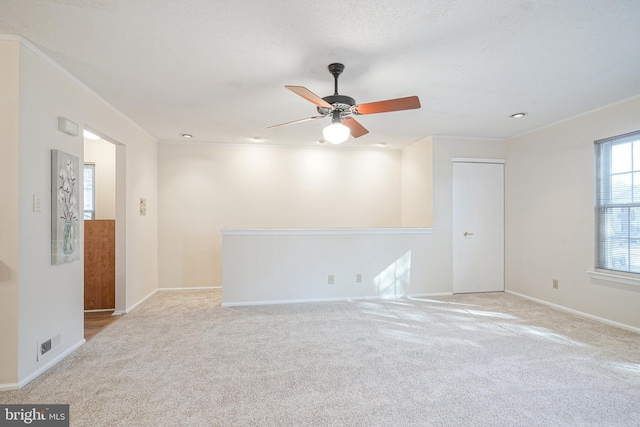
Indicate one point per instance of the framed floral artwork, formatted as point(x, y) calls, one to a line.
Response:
point(65, 192)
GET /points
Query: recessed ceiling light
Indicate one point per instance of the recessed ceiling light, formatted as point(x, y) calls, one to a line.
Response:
point(518, 115)
point(321, 141)
point(381, 144)
point(186, 135)
point(89, 135)
point(256, 139)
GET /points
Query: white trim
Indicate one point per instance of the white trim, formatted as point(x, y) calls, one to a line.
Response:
point(612, 277)
point(288, 301)
point(134, 306)
point(9, 386)
point(603, 107)
point(267, 143)
point(476, 160)
point(471, 138)
point(438, 294)
point(10, 37)
point(578, 313)
point(33, 48)
point(325, 231)
point(192, 288)
point(54, 361)
point(315, 300)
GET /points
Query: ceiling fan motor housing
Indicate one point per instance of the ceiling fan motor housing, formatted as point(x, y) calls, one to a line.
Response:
point(341, 103)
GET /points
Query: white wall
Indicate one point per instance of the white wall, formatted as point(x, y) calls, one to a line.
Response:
point(274, 266)
point(103, 154)
point(417, 184)
point(50, 298)
point(549, 215)
point(205, 188)
point(9, 101)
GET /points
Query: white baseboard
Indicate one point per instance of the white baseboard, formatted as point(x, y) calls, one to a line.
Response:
point(312, 300)
point(46, 367)
point(134, 306)
point(578, 313)
point(439, 294)
point(274, 302)
point(9, 386)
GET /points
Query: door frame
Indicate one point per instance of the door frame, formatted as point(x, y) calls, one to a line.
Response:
point(121, 221)
point(485, 161)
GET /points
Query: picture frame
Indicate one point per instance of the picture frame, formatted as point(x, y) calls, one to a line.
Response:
point(65, 202)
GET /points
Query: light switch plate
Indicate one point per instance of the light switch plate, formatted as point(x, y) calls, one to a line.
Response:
point(37, 203)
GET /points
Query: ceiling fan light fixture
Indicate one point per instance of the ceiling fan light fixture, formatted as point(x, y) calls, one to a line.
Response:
point(336, 133)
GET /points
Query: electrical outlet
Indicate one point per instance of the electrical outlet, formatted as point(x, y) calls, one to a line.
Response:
point(331, 280)
point(555, 283)
point(358, 278)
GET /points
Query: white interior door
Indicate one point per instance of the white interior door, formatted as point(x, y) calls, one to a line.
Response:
point(478, 227)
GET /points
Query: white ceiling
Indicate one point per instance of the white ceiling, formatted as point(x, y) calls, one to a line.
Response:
point(217, 69)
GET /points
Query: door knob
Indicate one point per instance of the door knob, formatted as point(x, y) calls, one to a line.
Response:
point(466, 233)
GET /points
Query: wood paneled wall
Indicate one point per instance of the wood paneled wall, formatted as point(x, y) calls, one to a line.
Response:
point(99, 264)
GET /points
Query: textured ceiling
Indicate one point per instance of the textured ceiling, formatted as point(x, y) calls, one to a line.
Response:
point(217, 69)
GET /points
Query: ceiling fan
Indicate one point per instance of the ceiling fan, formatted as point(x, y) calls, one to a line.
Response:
point(341, 108)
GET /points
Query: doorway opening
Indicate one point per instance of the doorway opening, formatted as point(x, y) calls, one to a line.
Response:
point(104, 230)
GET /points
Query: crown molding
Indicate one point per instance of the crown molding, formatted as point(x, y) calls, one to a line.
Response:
point(11, 38)
point(35, 49)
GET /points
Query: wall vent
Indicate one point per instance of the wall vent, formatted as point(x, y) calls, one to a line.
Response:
point(45, 346)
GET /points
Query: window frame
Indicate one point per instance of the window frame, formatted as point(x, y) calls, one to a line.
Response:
point(605, 207)
point(92, 213)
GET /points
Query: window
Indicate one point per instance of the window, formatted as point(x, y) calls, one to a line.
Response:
point(89, 191)
point(617, 210)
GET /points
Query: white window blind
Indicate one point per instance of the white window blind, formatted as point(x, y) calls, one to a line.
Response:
point(617, 210)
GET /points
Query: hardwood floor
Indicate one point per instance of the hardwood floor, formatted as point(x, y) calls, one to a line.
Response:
point(96, 321)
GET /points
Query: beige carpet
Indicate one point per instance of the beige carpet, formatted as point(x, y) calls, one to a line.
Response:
point(466, 360)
